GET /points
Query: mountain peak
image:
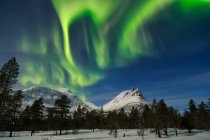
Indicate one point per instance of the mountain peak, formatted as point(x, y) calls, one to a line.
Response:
point(132, 92)
point(126, 99)
point(49, 95)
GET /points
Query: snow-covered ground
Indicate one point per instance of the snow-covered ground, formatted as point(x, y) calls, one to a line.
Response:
point(104, 135)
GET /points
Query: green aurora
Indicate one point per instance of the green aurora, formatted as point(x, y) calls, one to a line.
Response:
point(114, 37)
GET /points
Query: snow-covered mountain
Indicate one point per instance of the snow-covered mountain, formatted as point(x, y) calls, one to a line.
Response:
point(50, 95)
point(126, 99)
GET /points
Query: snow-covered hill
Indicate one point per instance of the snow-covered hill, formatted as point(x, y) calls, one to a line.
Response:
point(126, 99)
point(50, 95)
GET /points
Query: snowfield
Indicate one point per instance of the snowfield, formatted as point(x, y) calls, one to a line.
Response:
point(104, 135)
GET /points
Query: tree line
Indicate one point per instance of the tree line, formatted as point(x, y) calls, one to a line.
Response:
point(157, 116)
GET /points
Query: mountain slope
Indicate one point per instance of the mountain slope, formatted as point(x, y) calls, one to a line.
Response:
point(126, 99)
point(50, 95)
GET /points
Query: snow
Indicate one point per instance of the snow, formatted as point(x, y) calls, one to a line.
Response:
point(49, 96)
point(129, 97)
point(91, 105)
point(63, 90)
point(104, 135)
point(30, 88)
point(126, 99)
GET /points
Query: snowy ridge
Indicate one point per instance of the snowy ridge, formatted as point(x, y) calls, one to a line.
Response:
point(50, 95)
point(126, 99)
point(91, 105)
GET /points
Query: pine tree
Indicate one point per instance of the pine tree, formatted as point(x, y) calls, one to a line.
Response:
point(187, 121)
point(112, 122)
point(62, 109)
point(51, 119)
point(91, 120)
point(162, 116)
point(36, 114)
point(192, 114)
point(202, 116)
point(134, 118)
point(13, 109)
point(26, 117)
point(208, 110)
point(173, 119)
point(143, 120)
point(192, 106)
point(8, 77)
point(147, 116)
point(122, 119)
point(154, 116)
point(101, 118)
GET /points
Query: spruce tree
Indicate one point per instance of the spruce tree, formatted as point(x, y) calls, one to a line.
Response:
point(162, 117)
point(202, 116)
point(187, 121)
point(154, 116)
point(173, 119)
point(134, 118)
point(14, 109)
point(208, 110)
point(192, 114)
point(79, 117)
point(8, 77)
point(51, 119)
point(37, 115)
point(62, 107)
point(25, 117)
point(122, 119)
point(101, 118)
point(112, 122)
point(147, 116)
point(92, 118)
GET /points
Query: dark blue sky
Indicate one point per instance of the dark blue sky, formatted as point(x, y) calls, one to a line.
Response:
point(176, 69)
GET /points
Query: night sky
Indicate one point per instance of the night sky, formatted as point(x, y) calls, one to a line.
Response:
point(100, 48)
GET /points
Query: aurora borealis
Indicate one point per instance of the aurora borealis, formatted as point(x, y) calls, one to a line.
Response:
point(80, 44)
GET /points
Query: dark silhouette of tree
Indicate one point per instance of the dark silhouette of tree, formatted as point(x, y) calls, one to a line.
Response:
point(37, 109)
point(134, 118)
point(111, 120)
point(141, 123)
point(192, 114)
point(78, 118)
point(208, 110)
point(92, 119)
point(13, 111)
point(52, 119)
point(101, 116)
point(192, 106)
point(9, 99)
point(62, 107)
point(162, 117)
point(202, 116)
point(187, 121)
point(122, 119)
point(147, 116)
point(25, 117)
point(8, 77)
point(154, 116)
point(173, 119)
